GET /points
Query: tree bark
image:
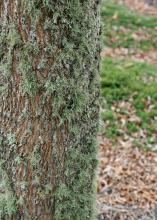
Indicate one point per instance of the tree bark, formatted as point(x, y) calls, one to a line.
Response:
point(49, 89)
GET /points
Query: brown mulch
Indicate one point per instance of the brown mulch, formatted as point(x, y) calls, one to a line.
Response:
point(149, 56)
point(127, 182)
point(142, 6)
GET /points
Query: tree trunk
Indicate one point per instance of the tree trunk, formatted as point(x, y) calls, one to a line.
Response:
point(49, 88)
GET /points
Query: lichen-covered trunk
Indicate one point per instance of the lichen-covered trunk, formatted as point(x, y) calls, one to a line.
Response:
point(49, 89)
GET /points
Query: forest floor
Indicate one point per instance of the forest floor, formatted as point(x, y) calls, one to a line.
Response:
point(127, 172)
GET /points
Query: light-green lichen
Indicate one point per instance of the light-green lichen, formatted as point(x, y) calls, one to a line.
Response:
point(7, 197)
point(8, 202)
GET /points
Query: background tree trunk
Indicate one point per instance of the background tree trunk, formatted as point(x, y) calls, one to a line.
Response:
point(49, 88)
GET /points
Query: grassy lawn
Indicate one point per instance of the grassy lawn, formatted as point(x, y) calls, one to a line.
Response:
point(129, 88)
point(121, 24)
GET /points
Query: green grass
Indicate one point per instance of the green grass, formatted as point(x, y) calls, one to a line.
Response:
point(126, 17)
point(122, 80)
point(107, 115)
point(132, 127)
point(112, 131)
point(115, 16)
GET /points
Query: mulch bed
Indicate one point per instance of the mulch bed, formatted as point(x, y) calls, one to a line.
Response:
point(127, 181)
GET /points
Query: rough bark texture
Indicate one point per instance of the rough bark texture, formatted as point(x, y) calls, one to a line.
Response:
point(49, 88)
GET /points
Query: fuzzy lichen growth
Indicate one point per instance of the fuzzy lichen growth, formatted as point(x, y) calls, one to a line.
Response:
point(8, 201)
point(7, 198)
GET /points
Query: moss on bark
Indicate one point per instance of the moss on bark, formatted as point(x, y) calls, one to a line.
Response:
point(49, 86)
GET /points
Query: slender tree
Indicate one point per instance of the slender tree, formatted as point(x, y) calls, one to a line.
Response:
point(49, 89)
